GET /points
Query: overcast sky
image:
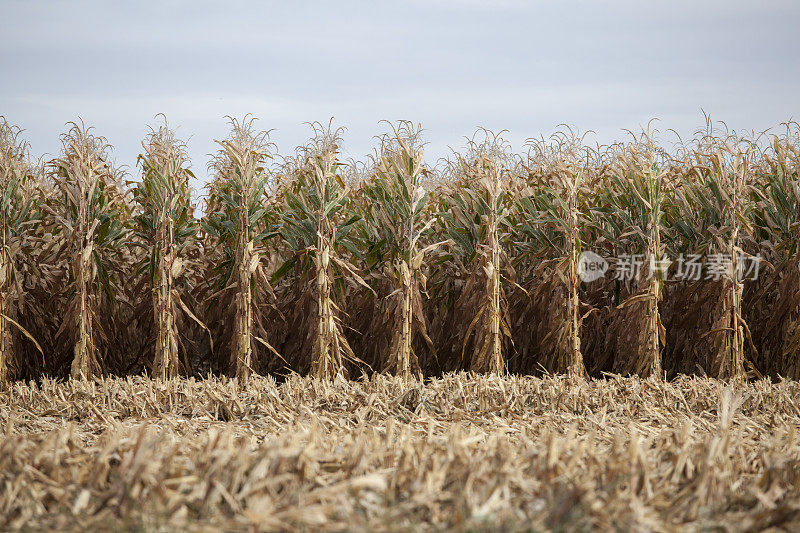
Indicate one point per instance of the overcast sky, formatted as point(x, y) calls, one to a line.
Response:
point(451, 65)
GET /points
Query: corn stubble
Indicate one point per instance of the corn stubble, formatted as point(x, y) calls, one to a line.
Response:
point(466, 452)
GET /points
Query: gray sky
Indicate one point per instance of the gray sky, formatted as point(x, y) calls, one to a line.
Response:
point(451, 65)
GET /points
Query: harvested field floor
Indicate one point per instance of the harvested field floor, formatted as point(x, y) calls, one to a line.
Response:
point(462, 451)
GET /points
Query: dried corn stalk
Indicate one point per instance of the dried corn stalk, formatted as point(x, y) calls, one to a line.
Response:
point(775, 317)
point(550, 212)
point(728, 362)
point(630, 215)
point(394, 202)
point(92, 215)
point(167, 226)
point(712, 195)
point(474, 216)
point(330, 348)
point(489, 357)
point(570, 358)
point(17, 214)
point(238, 222)
point(316, 225)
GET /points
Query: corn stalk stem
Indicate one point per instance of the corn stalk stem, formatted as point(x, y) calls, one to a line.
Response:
point(732, 364)
point(402, 165)
point(244, 307)
point(6, 339)
point(166, 356)
point(575, 366)
point(401, 359)
point(326, 363)
point(404, 352)
point(327, 360)
point(489, 354)
point(83, 363)
point(496, 364)
point(653, 352)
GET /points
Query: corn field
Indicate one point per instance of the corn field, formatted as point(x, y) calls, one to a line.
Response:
point(436, 319)
point(310, 264)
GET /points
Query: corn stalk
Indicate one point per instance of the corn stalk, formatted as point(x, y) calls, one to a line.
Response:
point(631, 216)
point(571, 359)
point(712, 196)
point(775, 317)
point(315, 225)
point(729, 363)
point(652, 355)
point(490, 357)
point(394, 203)
point(549, 227)
point(166, 225)
point(17, 215)
point(11, 156)
point(473, 214)
point(331, 348)
point(92, 219)
point(6, 339)
point(238, 221)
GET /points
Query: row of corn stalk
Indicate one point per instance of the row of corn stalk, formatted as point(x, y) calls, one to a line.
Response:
point(312, 264)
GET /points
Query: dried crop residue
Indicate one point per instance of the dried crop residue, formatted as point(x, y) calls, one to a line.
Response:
point(459, 452)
